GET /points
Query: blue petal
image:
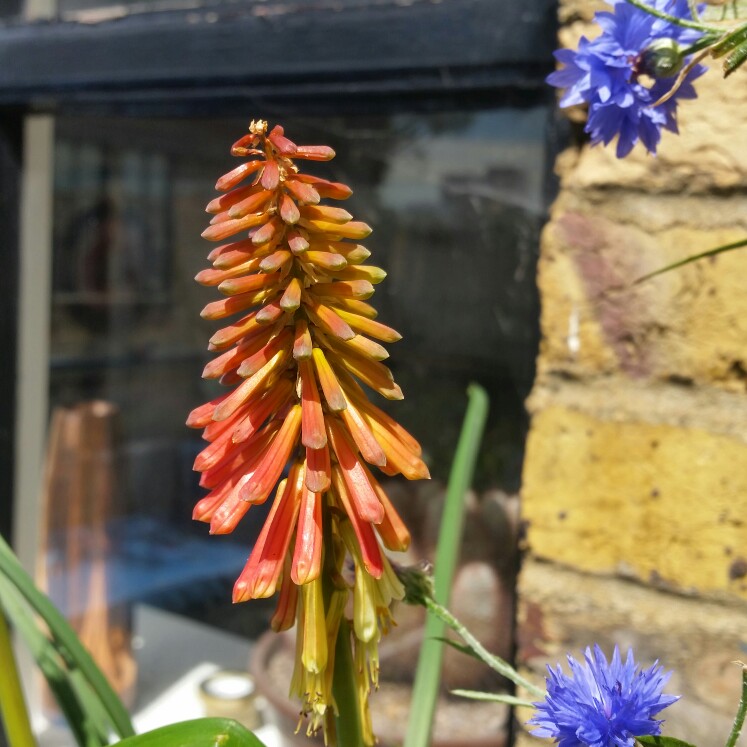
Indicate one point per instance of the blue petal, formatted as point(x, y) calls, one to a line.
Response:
point(605, 703)
point(603, 74)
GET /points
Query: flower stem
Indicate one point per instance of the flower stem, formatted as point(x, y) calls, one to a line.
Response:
point(705, 41)
point(12, 705)
point(349, 729)
point(673, 19)
point(494, 662)
point(741, 711)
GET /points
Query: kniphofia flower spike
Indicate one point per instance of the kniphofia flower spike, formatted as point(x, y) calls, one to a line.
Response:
point(301, 341)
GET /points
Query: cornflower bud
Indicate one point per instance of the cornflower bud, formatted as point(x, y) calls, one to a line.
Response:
point(662, 58)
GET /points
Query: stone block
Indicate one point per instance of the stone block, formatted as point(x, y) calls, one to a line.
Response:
point(688, 325)
point(616, 398)
point(570, 11)
point(661, 503)
point(564, 611)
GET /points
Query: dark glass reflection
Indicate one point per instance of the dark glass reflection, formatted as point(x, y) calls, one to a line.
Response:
point(456, 202)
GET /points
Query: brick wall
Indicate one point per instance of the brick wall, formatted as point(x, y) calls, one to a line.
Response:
point(635, 480)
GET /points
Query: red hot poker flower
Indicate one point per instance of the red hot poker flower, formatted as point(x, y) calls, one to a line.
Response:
point(299, 342)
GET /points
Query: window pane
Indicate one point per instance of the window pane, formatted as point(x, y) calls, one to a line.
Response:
point(69, 7)
point(9, 9)
point(456, 201)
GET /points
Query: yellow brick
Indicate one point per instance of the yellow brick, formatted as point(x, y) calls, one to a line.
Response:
point(572, 336)
point(690, 323)
point(663, 503)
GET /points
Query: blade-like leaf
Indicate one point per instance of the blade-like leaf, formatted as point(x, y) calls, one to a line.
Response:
point(85, 731)
point(428, 673)
point(461, 647)
point(662, 742)
point(730, 41)
point(66, 642)
point(497, 697)
point(736, 59)
point(692, 258)
point(14, 715)
point(201, 732)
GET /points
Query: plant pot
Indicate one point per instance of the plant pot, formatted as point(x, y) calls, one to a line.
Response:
point(271, 666)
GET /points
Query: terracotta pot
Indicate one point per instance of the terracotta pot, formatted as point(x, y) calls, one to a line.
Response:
point(285, 713)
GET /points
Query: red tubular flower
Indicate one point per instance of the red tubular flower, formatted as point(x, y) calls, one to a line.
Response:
point(295, 276)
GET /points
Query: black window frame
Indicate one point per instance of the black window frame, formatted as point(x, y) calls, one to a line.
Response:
point(224, 58)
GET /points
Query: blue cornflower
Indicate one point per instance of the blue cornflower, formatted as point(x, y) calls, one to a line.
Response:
point(602, 704)
point(606, 74)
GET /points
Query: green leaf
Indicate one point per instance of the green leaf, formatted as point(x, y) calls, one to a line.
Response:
point(692, 258)
point(662, 742)
point(496, 697)
point(428, 673)
point(85, 731)
point(67, 646)
point(461, 647)
point(14, 715)
point(736, 59)
point(202, 732)
point(730, 41)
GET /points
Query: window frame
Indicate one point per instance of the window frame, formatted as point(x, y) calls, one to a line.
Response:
point(214, 57)
point(10, 196)
point(221, 59)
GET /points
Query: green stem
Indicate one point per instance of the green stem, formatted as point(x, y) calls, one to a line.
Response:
point(344, 689)
point(673, 19)
point(428, 673)
point(741, 711)
point(494, 662)
point(12, 705)
point(707, 40)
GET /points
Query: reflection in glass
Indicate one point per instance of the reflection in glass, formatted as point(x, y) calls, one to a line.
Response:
point(10, 9)
point(456, 202)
